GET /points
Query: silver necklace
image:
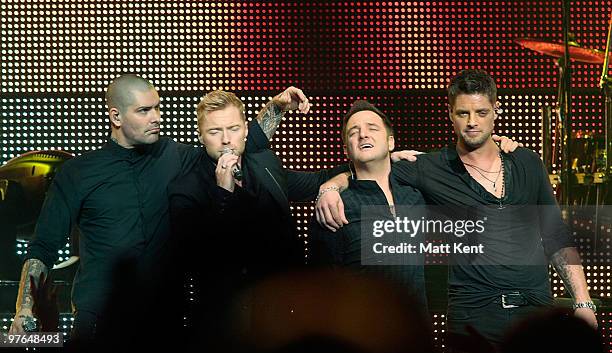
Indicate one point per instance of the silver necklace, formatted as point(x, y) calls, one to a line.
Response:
point(503, 190)
point(481, 170)
point(499, 172)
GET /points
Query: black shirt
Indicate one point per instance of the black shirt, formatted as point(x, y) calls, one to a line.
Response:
point(256, 234)
point(344, 247)
point(234, 239)
point(118, 198)
point(443, 180)
point(250, 227)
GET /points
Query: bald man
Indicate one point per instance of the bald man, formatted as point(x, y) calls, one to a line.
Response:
point(117, 196)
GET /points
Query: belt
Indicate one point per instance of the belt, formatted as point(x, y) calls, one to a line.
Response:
point(512, 300)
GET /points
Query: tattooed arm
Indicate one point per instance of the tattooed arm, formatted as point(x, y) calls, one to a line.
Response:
point(559, 246)
point(270, 116)
point(569, 267)
point(32, 268)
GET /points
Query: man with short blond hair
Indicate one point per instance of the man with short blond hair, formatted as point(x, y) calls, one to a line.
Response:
point(117, 196)
point(232, 212)
point(217, 100)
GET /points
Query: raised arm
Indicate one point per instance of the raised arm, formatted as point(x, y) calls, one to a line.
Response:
point(270, 116)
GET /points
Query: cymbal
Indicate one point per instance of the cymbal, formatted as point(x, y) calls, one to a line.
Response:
point(24, 181)
point(557, 50)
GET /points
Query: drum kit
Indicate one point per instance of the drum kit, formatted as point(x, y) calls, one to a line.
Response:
point(578, 160)
point(24, 181)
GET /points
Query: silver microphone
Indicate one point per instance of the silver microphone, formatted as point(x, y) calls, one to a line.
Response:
point(236, 172)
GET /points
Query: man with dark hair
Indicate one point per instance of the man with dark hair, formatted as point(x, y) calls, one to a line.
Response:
point(117, 196)
point(362, 105)
point(472, 82)
point(525, 218)
point(368, 140)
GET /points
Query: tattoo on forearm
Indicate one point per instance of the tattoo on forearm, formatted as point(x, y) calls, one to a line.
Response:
point(561, 262)
point(32, 267)
point(269, 119)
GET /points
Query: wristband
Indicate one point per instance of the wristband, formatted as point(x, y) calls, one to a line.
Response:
point(588, 305)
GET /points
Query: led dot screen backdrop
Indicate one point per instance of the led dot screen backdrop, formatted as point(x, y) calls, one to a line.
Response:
point(57, 57)
point(78, 46)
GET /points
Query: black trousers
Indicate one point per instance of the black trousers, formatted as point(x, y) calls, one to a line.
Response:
point(491, 322)
point(84, 327)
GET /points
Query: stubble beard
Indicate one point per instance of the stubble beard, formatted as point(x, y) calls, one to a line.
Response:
point(475, 142)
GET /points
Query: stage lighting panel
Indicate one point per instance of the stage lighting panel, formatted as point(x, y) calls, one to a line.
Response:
point(399, 55)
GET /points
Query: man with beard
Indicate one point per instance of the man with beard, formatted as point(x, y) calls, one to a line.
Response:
point(117, 196)
point(477, 174)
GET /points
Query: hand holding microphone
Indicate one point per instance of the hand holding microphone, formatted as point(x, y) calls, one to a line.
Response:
point(227, 169)
point(236, 171)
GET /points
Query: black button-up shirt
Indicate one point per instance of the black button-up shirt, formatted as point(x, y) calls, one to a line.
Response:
point(538, 231)
point(344, 247)
point(118, 199)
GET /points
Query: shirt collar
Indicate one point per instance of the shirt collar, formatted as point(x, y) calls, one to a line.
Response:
point(130, 153)
point(368, 185)
point(456, 165)
point(453, 160)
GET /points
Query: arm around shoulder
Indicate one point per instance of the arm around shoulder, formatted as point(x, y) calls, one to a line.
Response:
point(304, 186)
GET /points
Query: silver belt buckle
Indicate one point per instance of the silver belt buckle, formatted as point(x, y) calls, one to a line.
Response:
point(507, 306)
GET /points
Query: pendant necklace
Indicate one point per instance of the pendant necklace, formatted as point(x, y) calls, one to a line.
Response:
point(499, 172)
